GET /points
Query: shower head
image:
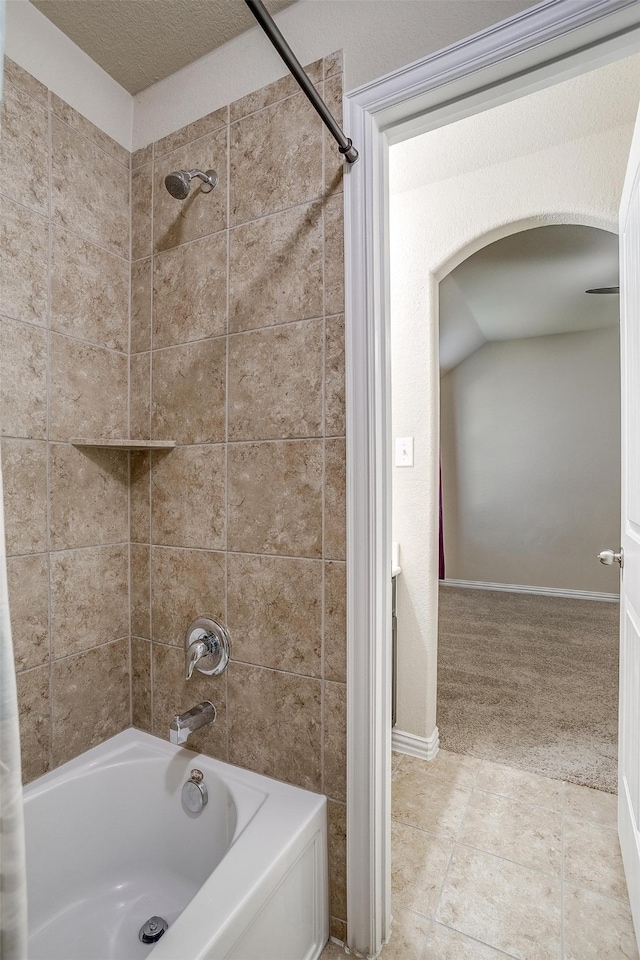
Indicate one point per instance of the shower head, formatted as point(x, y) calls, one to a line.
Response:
point(178, 183)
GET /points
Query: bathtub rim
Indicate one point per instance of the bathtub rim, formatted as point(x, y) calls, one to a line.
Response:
point(225, 904)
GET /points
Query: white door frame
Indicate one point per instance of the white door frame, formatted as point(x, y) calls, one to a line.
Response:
point(552, 41)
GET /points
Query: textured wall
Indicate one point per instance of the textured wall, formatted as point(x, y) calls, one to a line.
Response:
point(531, 461)
point(64, 340)
point(237, 354)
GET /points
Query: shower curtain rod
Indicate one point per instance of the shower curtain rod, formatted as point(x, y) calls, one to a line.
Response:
point(265, 20)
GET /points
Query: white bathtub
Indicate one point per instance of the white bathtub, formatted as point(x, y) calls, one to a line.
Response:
point(109, 845)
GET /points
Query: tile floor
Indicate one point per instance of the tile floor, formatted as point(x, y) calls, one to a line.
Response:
point(492, 862)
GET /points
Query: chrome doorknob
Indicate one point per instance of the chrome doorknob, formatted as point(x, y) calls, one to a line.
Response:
point(608, 557)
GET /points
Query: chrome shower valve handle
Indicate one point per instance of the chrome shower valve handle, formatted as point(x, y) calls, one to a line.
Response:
point(207, 647)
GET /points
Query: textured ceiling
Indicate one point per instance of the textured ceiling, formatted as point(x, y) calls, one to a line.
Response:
point(531, 284)
point(139, 42)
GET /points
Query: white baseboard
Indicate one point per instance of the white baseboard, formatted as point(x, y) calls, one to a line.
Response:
point(424, 747)
point(540, 591)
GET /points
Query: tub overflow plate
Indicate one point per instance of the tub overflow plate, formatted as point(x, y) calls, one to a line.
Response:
point(153, 929)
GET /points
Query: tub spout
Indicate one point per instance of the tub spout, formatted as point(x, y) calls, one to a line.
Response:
point(184, 724)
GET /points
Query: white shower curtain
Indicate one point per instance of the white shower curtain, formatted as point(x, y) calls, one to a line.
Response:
point(13, 884)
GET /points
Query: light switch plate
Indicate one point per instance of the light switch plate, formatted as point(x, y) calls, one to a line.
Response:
point(404, 451)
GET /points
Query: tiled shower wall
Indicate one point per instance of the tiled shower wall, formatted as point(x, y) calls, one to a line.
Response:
point(64, 343)
point(238, 355)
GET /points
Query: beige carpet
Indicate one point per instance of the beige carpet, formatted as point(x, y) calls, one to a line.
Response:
point(530, 681)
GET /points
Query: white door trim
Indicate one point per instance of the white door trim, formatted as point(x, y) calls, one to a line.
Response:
point(555, 39)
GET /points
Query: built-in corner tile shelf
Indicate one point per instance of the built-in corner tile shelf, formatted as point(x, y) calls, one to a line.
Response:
point(126, 445)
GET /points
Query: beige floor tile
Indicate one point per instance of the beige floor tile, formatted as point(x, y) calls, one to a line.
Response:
point(588, 804)
point(419, 863)
point(597, 928)
point(446, 944)
point(454, 767)
point(592, 858)
point(424, 801)
point(521, 785)
point(396, 759)
point(408, 936)
point(517, 831)
point(505, 905)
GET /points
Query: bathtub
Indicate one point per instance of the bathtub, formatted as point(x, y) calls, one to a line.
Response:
point(109, 845)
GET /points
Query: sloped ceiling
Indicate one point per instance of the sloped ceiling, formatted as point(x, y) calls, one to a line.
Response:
point(139, 42)
point(531, 284)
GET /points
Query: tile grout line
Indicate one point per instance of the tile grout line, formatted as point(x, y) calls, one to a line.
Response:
point(129, 458)
point(226, 433)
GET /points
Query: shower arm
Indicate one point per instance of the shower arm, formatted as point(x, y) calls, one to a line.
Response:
point(267, 23)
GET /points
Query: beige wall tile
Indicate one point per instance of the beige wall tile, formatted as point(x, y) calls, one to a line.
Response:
point(186, 584)
point(99, 516)
point(89, 391)
point(287, 137)
point(140, 396)
point(24, 255)
point(140, 577)
point(278, 90)
point(334, 410)
point(275, 612)
point(190, 291)
point(187, 497)
point(173, 694)
point(192, 131)
point(333, 64)
point(201, 214)
point(275, 269)
point(335, 520)
point(91, 700)
point(419, 865)
point(143, 155)
point(275, 498)
point(89, 190)
point(334, 255)
point(338, 930)
point(141, 211)
point(334, 162)
point(140, 497)
point(89, 292)
point(335, 741)
point(337, 834)
point(189, 392)
point(24, 476)
point(89, 130)
point(23, 380)
point(597, 928)
point(276, 400)
point(140, 306)
point(25, 82)
point(89, 598)
point(335, 622)
point(24, 150)
point(35, 722)
point(28, 580)
point(275, 724)
point(502, 904)
point(141, 683)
